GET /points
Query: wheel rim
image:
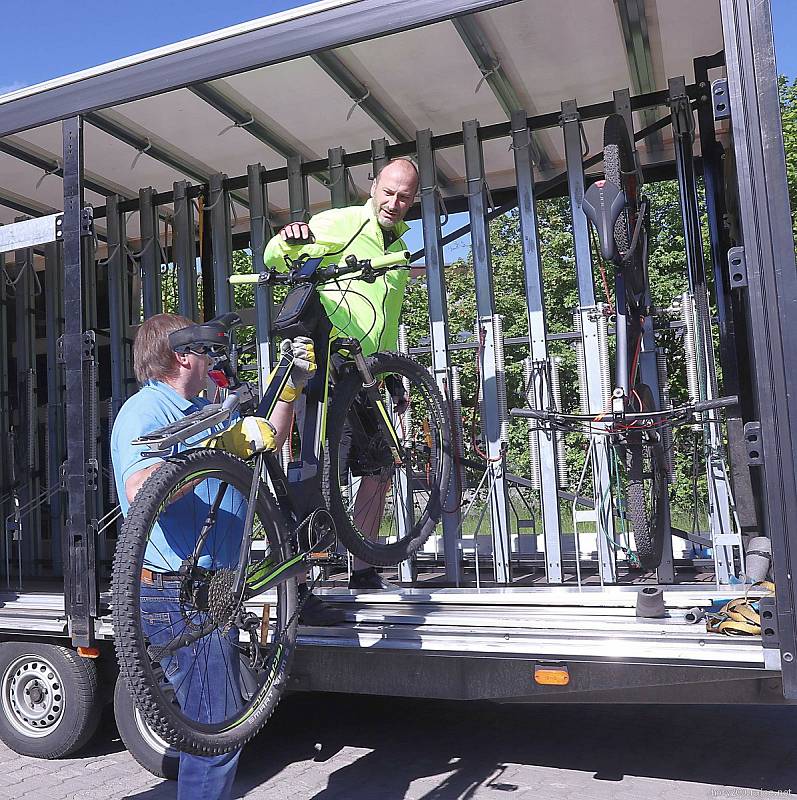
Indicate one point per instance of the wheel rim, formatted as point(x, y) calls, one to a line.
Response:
point(152, 740)
point(33, 696)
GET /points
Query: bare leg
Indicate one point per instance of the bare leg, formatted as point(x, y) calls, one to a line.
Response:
point(368, 509)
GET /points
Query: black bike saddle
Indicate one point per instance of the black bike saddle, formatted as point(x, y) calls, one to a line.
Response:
point(213, 333)
point(603, 203)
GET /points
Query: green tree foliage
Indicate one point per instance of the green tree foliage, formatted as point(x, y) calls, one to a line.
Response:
point(668, 281)
point(788, 107)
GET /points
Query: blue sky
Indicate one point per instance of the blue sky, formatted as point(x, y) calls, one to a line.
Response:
point(56, 37)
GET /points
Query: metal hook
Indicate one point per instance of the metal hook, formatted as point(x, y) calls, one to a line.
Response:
point(357, 102)
point(141, 153)
point(486, 73)
point(48, 172)
point(237, 124)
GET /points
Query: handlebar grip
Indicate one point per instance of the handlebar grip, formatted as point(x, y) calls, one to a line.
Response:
point(390, 259)
point(252, 277)
point(528, 413)
point(720, 402)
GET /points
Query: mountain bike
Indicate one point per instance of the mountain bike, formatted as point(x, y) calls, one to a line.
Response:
point(377, 421)
point(619, 214)
point(644, 427)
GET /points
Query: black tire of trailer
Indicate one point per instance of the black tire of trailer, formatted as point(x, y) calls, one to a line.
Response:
point(50, 702)
point(155, 755)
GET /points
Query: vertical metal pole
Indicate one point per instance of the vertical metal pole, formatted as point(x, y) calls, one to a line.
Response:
point(80, 580)
point(94, 452)
point(150, 254)
point(259, 235)
point(402, 481)
point(297, 190)
point(184, 251)
point(53, 269)
point(339, 178)
point(586, 297)
point(648, 369)
point(719, 512)
point(221, 238)
point(438, 330)
point(378, 155)
point(712, 154)
point(538, 341)
point(118, 306)
point(485, 309)
point(766, 230)
point(27, 411)
point(6, 471)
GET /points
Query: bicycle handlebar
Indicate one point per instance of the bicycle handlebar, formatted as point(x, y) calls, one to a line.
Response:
point(692, 408)
point(720, 402)
point(370, 267)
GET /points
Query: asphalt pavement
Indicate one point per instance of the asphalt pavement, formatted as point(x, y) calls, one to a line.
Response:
point(344, 747)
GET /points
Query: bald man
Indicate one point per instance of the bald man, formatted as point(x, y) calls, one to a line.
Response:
point(366, 311)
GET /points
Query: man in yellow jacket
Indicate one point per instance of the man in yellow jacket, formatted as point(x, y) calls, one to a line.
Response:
point(365, 311)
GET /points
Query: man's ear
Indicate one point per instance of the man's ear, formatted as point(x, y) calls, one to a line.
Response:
point(373, 187)
point(182, 359)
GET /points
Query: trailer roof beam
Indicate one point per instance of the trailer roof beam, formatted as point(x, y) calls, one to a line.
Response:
point(23, 205)
point(248, 121)
point(166, 155)
point(363, 97)
point(493, 73)
point(52, 166)
point(634, 27)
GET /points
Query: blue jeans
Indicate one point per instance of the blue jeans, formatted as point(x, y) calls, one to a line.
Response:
point(205, 680)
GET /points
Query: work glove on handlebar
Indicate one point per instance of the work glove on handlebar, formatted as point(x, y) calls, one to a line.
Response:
point(398, 393)
point(303, 367)
point(245, 437)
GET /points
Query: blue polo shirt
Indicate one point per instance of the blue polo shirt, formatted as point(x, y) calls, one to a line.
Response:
point(174, 536)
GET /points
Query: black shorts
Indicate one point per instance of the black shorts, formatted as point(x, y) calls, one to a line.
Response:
point(363, 449)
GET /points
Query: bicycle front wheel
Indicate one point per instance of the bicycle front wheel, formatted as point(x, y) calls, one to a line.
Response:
point(645, 498)
point(385, 510)
point(204, 667)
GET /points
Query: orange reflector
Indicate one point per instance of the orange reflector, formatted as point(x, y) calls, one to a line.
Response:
point(554, 675)
point(89, 652)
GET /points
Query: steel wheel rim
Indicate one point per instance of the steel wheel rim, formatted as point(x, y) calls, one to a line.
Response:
point(153, 741)
point(33, 696)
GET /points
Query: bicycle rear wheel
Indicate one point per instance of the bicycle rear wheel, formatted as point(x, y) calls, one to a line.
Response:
point(202, 667)
point(619, 168)
point(385, 511)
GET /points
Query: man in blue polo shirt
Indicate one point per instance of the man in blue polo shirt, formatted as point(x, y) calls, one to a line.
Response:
point(170, 385)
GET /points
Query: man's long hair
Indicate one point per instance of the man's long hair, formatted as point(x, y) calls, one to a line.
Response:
point(153, 359)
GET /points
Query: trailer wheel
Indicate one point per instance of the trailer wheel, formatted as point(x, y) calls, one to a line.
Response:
point(49, 699)
point(154, 754)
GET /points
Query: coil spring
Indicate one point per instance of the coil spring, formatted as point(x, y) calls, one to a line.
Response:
point(534, 441)
point(500, 376)
point(559, 437)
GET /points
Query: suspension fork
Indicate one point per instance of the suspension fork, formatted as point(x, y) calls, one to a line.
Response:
point(375, 396)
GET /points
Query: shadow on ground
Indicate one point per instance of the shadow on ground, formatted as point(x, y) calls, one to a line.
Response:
point(468, 745)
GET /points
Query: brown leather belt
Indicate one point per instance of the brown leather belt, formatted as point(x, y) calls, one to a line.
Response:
point(156, 578)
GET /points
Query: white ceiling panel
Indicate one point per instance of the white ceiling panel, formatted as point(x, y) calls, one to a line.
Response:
point(425, 78)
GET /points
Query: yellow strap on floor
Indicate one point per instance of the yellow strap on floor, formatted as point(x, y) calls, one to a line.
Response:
point(740, 616)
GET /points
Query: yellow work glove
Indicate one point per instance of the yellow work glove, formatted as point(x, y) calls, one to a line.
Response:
point(245, 437)
point(303, 367)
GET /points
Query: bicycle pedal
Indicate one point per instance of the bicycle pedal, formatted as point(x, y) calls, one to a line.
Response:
point(325, 557)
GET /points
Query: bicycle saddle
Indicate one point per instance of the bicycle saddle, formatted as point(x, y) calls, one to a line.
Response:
point(213, 333)
point(603, 203)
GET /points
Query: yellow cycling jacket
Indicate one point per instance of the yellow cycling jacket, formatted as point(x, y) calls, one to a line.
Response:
point(365, 311)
